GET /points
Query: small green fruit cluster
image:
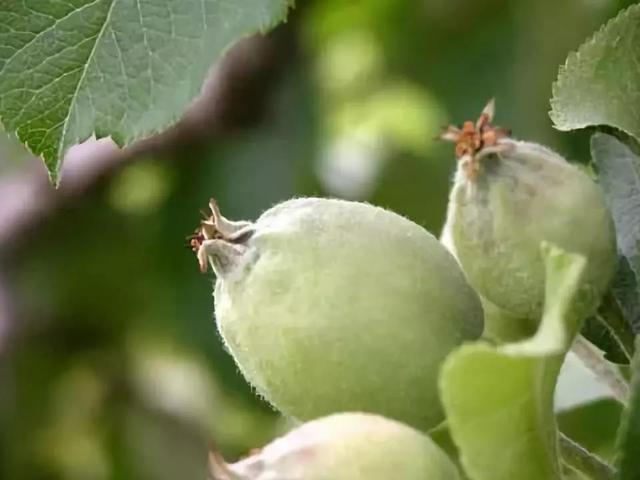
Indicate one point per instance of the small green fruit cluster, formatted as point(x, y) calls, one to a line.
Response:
point(344, 446)
point(330, 306)
point(333, 306)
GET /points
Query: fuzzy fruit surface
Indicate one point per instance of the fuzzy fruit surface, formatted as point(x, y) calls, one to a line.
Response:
point(525, 194)
point(342, 306)
point(345, 446)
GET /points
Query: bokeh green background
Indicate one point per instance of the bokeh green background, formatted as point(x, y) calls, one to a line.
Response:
point(111, 366)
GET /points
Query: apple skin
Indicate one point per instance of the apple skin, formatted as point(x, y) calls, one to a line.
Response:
point(344, 446)
point(329, 305)
point(523, 195)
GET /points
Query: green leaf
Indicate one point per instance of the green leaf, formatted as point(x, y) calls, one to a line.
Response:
point(499, 400)
point(442, 437)
point(626, 290)
point(598, 85)
point(583, 461)
point(629, 438)
point(593, 425)
point(605, 338)
point(619, 174)
point(610, 328)
point(124, 68)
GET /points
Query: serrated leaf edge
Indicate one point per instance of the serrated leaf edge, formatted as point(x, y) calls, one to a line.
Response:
point(573, 58)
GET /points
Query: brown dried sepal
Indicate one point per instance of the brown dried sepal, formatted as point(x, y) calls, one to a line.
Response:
point(472, 139)
point(216, 227)
point(206, 229)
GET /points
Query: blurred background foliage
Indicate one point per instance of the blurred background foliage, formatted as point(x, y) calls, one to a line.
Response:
point(110, 363)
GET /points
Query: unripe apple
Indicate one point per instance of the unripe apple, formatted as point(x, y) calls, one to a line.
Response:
point(328, 306)
point(508, 197)
point(344, 446)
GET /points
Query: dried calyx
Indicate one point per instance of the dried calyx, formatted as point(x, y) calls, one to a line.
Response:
point(473, 141)
point(219, 240)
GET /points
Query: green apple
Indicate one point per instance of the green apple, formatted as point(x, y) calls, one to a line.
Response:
point(344, 446)
point(328, 306)
point(508, 197)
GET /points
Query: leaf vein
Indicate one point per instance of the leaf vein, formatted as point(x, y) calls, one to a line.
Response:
point(84, 72)
point(47, 29)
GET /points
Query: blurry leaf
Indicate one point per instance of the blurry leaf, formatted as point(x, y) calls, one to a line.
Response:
point(598, 83)
point(124, 69)
point(499, 401)
point(583, 462)
point(600, 334)
point(577, 383)
point(569, 473)
point(349, 62)
point(593, 425)
point(140, 188)
point(619, 174)
point(626, 291)
point(398, 113)
point(609, 330)
point(629, 440)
